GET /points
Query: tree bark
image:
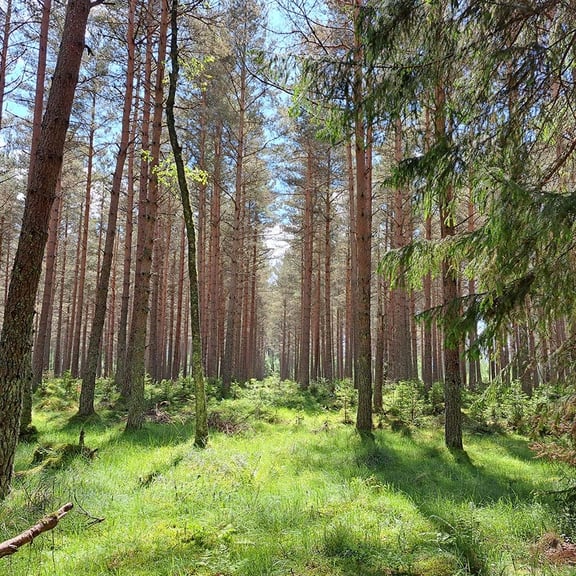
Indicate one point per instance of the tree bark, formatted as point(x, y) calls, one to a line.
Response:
point(400, 368)
point(363, 241)
point(12, 545)
point(4, 54)
point(42, 344)
point(16, 337)
point(233, 314)
point(120, 375)
point(40, 84)
point(214, 344)
point(76, 346)
point(59, 325)
point(328, 328)
point(86, 407)
point(452, 377)
point(201, 436)
point(306, 286)
point(135, 368)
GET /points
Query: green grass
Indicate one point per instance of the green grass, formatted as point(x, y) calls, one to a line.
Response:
point(295, 492)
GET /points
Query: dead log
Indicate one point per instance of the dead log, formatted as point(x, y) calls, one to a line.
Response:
point(47, 523)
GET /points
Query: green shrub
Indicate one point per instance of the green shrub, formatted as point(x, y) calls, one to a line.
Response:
point(503, 406)
point(59, 394)
point(346, 398)
point(436, 398)
point(405, 402)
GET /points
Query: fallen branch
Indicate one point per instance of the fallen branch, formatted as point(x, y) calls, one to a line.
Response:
point(47, 523)
point(91, 519)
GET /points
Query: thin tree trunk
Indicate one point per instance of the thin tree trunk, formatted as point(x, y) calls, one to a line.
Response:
point(40, 85)
point(328, 328)
point(201, 436)
point(36, 134)
point(108, 345)
point(349, 342)
point(380, 348)
point(176, 361)
point(75, 364)
point(71, 317)
point(4, 53)
point(234, 304)
point(214, 346)
point(42, 344)
point(306, 286)
point(120, 379)
point(86, 404)
point(59, 326)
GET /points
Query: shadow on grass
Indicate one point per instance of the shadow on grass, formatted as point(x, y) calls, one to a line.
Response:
point(445, 486)
point(441, 472)
point(108, 428)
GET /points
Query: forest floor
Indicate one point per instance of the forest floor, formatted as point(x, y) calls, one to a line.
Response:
point(285, 488)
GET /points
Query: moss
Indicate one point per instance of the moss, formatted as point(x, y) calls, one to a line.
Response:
point(437, 565)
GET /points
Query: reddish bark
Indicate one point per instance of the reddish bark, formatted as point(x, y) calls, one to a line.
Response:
point(16, 337)
point(89, 372)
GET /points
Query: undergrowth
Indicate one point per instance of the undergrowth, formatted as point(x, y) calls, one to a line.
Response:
point(285, 487)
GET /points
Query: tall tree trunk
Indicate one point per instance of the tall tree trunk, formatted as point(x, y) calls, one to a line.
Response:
point(145, 245)
point(316, 317)
point(201, 436)
point(401, 360)
point(427, 356)
point(36, 134)
point(349, 335)
point(42, 344)
point(380, 348)
point(153, 360)
point(328, 327)
point(75, 364)
point(203, 229)
point(214, 344)
point(177, 357)
point(306, 285)
point(234, 297)
point(452, 378)
point(73, 309)
point(363, 242)
point(40, 85)
point(86, 404)
point(120, 379)
point(110, 330)
point(6, 30)
point(16, 336)
point(60, 323)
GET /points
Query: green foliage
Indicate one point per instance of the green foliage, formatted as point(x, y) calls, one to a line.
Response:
point(167, 174)
point(405, 402)
point(553, 429)
point(346, 398)
point(504, 406)
point(463, 536)
point(277, 393)
point(59, 393)
point(436, 398)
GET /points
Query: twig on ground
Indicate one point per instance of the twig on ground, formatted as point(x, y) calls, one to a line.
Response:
point(47, 523)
